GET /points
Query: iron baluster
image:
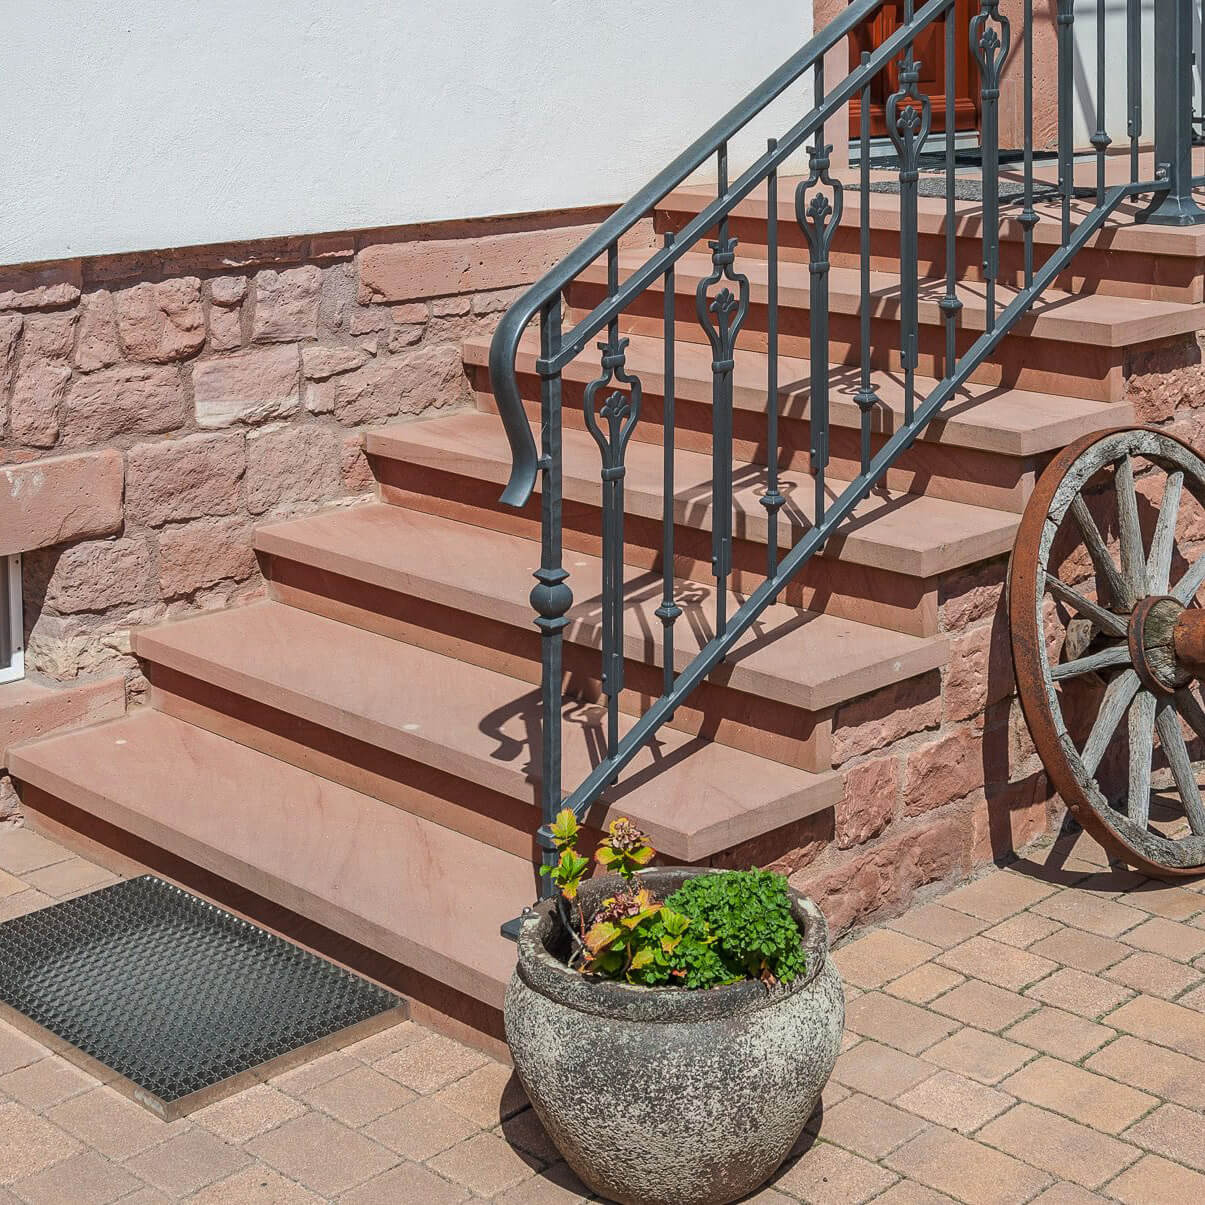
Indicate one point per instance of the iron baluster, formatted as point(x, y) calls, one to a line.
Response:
point(721, 319)
point(551, 597)
point(867, 396)
point(1028, 217)
point(990, 46)
point(1100, 139)
point(950, 305)
point(1134, 80)
point(772, 499)
point(669, 610)
point(908, 118)
point(1064, 27)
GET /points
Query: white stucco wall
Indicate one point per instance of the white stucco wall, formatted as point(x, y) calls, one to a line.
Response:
point(137, 124)
point(1116, 61)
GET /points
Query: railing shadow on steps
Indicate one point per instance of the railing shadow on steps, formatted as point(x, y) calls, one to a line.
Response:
point(612, 401)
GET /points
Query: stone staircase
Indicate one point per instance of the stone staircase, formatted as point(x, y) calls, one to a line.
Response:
point(361, 749)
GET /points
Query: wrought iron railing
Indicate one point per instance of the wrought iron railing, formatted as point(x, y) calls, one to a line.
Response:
point(612, 402)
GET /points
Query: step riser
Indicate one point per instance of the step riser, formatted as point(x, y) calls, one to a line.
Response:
point(760, 726)
point(1019, 362)
point(932, 470)
point(1106, 271)
point(862, 593)
point(495, 819)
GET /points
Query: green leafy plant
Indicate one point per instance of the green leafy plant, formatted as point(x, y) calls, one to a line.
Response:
point(715, 929)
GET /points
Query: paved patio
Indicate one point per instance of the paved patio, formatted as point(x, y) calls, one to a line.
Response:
point(1037, 1035)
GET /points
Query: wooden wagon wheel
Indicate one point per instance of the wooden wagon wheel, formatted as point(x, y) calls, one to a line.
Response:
point(1108, 645)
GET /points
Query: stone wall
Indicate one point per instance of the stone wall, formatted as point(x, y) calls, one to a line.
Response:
point(221, 387)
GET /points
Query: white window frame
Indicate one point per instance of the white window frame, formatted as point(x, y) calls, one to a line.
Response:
point(10, 571)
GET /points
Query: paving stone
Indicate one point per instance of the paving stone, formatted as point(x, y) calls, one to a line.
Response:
point(1154, 974)
point(43, 1084)
point(1096, 914)
point(83, 1179)
point(246, 1114)
point(29, 1143)
point(62, 880)
point(23, 903)
point(257, 1185)
point(868, 1127)
point(1080, 993)
point(322, 1154)
point(557, 1185)
point(994, 962)
point(996, 896)
point(526, 1131)
point(1163, 1073)
point(378, 1045)
point(1023, 929)
point(188, 1162)
point(1068, 1194)
point(422, 1129)
point(983, 1004)
point(1194, 999)
point(1165, 899)
point(966, 1170)
point(17, 1050)
point(937, 925)
point(431, 1064)
point(10, 884)
point(486, 1096)
point(878, 1070)
point(485, 1164)
point(896, 1022)
point(406, 1182)
point(827, 1175)
point(924, 984)
point(1083, 951)
point(956, 1102)
point(908, 1192)
point(1085, 1097)
point(23, 850)
point(1172, 1131)
point(301, 1080)
point(985, 1057)
point(1169, 938)
point(1063, 1148)
point(1164, 1023)
point(359, 1096)
point(1060, 1033)
point(115, 1126)
point(880, 956)
point(1155, 1181)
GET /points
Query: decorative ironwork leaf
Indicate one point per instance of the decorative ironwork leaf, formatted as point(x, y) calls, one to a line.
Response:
point(619, 410)
point(723, 316)
point(819, 216)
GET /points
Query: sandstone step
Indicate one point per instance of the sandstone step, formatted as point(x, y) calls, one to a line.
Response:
point(420, 893)
point(986, 448)
point(1034, 356)
point(475, 727)
point(468, 596)
point(1124, 258)
point(877, 569)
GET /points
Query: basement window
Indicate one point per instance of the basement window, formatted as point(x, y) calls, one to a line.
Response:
point(12, 647)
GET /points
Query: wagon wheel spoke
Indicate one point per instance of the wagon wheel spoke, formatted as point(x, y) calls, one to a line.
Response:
point(1115, 625)
point(1133, 558)
point(1113, 706)
point(1142, 751)
point(1107, 572)
point(1191, 711)
point(1185, 590)
point(1172, 740)
point(1163, 543)
point(1108, 658)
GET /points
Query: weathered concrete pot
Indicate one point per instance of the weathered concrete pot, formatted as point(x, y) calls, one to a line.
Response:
point(664, 1096)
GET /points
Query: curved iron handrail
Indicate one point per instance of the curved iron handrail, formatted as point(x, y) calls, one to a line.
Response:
point(505, 344)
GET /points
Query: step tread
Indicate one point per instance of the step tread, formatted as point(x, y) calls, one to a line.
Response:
point(805, 658)
point(988, 418)
point(1121, 233)
point(366, 869)
point(1098, 319)
point(908, 533)
point(694, 798)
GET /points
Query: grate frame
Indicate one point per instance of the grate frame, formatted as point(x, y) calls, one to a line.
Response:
point(174, 1001)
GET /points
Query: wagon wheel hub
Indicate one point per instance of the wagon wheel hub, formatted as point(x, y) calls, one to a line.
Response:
point(1167, 643)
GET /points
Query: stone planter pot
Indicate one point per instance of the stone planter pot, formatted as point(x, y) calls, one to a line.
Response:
point(664, 1096)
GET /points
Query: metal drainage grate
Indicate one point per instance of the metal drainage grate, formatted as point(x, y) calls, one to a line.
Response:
point(183, 1001)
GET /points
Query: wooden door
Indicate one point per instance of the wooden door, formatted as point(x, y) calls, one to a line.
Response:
point(930, 49)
